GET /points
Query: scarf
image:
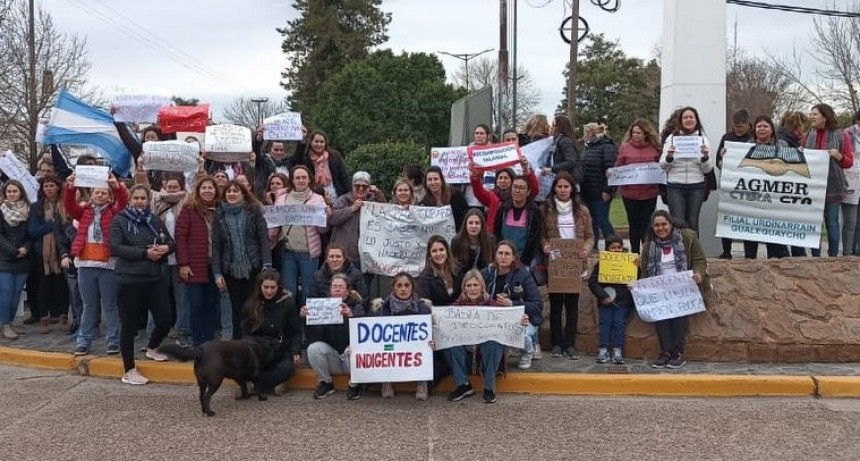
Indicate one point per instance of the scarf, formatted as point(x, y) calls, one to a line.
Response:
point(15, 213)
point(234, 219)
point(137, 217)
point(301, 197)
point(655, 253)
point(503, 195)
point(50, 261)
point(563, 207)
point(322, 174)
point(402, 306)
point(98, 211)
point(167, 201)
point(837, 184)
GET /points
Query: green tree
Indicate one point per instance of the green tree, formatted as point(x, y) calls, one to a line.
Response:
point(326, 36)
point(387, 97)
point(384, 161)
point(613, 88)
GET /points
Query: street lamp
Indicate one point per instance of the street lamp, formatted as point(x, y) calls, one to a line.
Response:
point(259, 102)
point(466, 57)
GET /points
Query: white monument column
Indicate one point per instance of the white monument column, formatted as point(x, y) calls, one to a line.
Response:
point(694, 74)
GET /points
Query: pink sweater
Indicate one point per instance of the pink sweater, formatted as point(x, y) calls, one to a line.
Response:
point(630, 154)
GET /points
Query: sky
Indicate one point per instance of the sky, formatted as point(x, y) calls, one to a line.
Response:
point(217, 50)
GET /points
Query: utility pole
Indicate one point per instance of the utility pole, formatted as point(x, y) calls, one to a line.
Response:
point(516, 76)
point(503, 74)
point(571, 69)
point(259, 102)
point(33, 117)
point(466, 57)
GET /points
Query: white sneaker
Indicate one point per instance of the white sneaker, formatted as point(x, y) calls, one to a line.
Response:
point(134, 377)
point(525, 361)
point(536, 355)
point(153, 354)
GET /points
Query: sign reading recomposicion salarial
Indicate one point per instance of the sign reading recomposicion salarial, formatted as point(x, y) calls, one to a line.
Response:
point(772, 194)
point(393, 238)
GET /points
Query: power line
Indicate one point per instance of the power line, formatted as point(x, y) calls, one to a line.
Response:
point(794, 9)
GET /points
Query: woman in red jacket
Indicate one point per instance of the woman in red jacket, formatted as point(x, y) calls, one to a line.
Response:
point(91, 250)
point(194, 257)
point(641, 145)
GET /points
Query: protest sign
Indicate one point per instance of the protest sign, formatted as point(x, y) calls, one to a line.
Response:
point(537, 153)
point(494, 156)
point(470, 325)
point(138, 107)
point(544, 186)
point(184, 118)
point(227, 143)
point(617, 267)
point(324, 311)
point(91, 176)
point(772, 194)
point(15, 169)
point(390, 349)
point(393, 238)
point(667, 297)
point(454, 162)
point(687, 146)
point(852, 175)
point(565, 268)
point(171, 156)
point(283, 127)
point(637, 173)
point(294, 215)
point(189, 136)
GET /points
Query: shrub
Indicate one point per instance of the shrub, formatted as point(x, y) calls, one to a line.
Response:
point(385, 161)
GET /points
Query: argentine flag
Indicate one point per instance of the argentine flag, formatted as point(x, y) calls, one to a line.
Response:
point(76, 122)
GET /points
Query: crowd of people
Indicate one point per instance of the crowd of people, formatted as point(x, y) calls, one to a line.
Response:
point(190, 257)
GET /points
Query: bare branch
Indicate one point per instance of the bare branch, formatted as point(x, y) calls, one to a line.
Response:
point(243, 111)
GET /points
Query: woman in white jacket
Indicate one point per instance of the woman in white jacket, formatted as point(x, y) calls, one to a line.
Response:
point(686, 173)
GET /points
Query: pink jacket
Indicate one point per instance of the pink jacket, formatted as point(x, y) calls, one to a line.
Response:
point(314, 233)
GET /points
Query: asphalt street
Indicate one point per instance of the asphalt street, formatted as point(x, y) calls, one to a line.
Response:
point(58, 416)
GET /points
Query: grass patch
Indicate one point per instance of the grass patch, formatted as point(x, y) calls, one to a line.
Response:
point(617, 214)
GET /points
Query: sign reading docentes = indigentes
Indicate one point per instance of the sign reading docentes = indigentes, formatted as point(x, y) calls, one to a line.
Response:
point(390, 349)
point(617, 267)
point(393, 238)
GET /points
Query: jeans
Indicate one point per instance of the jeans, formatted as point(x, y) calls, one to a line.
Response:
point(326, 361)
point(99, 291)
point(204, 304)
point(600, 218)
point(135, 298)
point(672, 334)
point(685, 202)
point(638, 218)
point(849, 224)
point(612, 320)
point(831, 223)
point(11, 284)
point(565, 336)
point(530, 339)
point(296, 264)
point(271, 377)
point(491, 357)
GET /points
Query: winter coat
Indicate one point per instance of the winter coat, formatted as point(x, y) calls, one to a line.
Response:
point(192, 244)
point(336, 336)
point(473, 262)
point(84, 215)
point(38, 227)
point(322, 280)
point(11, 239)
point(581, 224)
point(492, 201)
point(345, 224)
point(280, 321)
point(685, 170)
point(419, 307)
point(459, 205)
point(432, 287)
point(534, 229)
point(696, 260)
point(532, 299)
point(600, 155)
point(336, 165)
point(730, 137)
point(256, 242)
point(623, 297)
point(314, 234)
point(565, 157)
point(133, 266)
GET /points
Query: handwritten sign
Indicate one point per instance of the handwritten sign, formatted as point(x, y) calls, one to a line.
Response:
point(637, 173)
point(138, 107)
point(454, 162)
point(390, 349)
point(565, 268)
point(470, 325)
point(687, 146)
point(227, 143)
point(91, 176)
point(853, 176)
point(494, 156)
point(184, 118)
point(294, 215)
point(667, 297)
point(617, 267)
point(15, 169)
point(283, 127)
point(324, 311)
point(171, 156)
point(393, 239)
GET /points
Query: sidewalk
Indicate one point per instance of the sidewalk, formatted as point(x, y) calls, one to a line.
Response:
point(546, 376)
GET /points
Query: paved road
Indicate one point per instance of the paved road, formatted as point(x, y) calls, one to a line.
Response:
point(56, 416)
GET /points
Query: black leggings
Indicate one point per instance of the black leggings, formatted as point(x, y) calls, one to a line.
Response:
point(569, 302)
point(672, 334)
point(133, 299)
point(53, 297)
point(638, 218)
point(239, 289)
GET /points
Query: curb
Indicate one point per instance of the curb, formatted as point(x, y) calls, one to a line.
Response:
point(519, 383)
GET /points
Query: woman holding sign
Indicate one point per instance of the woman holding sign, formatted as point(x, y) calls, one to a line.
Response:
point(565, 217)
point(668, 250)
point(240, 246)
point(15, 246)
point(641, 145)
point(686, 159)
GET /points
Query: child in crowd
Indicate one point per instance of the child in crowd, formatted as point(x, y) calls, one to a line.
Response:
point(614, 302)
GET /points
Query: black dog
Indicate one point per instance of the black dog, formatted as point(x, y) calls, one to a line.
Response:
point(239, 360)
